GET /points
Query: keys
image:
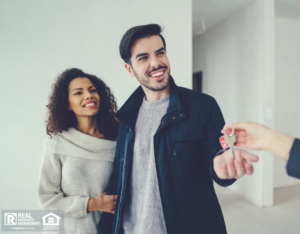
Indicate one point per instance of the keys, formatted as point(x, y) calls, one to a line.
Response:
point(230, 140)
point(223, 143)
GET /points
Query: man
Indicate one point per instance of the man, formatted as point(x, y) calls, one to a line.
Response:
point(167, 149)
point(256, 136)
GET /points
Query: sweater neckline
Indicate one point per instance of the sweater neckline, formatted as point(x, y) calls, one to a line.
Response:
point(155, 104)
point(87, 142)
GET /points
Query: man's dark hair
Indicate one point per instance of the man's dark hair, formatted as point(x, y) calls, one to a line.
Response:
point(136, 33)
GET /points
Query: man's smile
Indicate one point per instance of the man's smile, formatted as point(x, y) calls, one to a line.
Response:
point(158, 74)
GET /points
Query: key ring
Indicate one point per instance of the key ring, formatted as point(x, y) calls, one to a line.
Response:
point(231, 134)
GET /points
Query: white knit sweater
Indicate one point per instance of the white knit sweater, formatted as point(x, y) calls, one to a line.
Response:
point(75, 168)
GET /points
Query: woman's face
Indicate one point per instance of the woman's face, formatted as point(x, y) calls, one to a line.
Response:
point(84, 99)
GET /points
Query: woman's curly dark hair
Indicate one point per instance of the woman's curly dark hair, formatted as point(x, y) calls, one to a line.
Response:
point(59, 116)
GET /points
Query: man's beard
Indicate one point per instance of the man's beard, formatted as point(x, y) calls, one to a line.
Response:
point(144, 81)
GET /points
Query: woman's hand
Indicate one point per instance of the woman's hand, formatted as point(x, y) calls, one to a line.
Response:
point(103, 202)
point(250, 135)
point(256, 136)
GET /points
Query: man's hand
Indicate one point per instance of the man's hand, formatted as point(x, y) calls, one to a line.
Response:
point(228, 168)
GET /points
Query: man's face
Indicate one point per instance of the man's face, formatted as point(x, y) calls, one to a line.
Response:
point(149, 63)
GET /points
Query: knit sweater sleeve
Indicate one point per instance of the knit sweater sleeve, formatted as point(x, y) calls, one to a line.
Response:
point(50, 195)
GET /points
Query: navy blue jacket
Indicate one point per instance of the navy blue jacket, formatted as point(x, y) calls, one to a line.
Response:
point(293, 165)
point(184, 145)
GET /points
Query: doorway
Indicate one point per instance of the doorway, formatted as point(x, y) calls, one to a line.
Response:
point(197, 81)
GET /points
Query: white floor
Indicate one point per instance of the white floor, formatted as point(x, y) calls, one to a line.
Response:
point(242, 217)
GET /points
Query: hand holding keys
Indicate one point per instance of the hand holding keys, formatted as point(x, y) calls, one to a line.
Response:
point(233, 163)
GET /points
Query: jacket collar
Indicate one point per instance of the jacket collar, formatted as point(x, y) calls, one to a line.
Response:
point(129, 111)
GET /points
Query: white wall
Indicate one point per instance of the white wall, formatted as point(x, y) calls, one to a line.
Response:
point(237, 63)
point(287, 88)
point(39, 39)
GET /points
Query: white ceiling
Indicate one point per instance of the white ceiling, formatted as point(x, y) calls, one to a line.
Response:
point(213, 12)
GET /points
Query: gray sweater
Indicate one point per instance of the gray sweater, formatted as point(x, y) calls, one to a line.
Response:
point(143, 214)
point(75, 167)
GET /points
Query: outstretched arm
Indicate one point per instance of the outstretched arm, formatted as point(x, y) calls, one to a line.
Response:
point(259, 137)
point(223, 169)
point(256, 136)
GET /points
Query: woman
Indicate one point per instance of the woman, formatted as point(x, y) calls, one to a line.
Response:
point(78, 156)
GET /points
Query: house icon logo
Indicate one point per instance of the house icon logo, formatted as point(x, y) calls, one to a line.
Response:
point(51, 219)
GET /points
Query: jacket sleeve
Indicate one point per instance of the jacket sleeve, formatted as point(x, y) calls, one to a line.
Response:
point(105, 225)
point(213, 124)
point(293, 165)
point(50, 195)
